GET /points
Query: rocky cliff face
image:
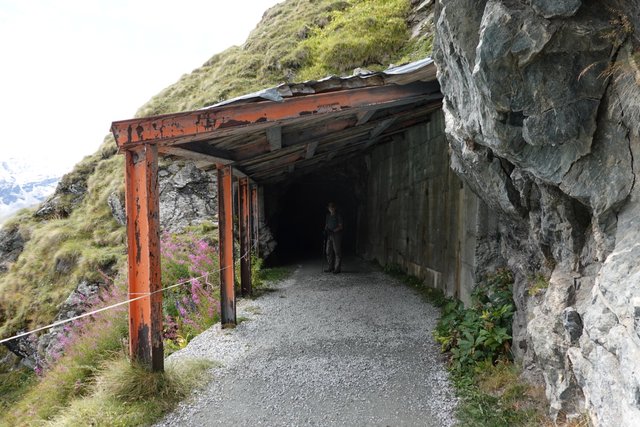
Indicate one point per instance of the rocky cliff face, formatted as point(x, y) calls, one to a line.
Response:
point(542, 107)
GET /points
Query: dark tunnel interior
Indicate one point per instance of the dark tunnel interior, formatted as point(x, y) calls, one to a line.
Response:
point(296, 209)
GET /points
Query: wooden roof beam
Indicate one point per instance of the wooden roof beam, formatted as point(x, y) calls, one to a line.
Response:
point(193, 155)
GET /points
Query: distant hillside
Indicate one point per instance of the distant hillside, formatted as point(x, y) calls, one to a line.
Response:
point(74, 236)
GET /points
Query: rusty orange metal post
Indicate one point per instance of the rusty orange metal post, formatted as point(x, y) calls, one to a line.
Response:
point(255, 218)
point(225, 228)
point(143, 238)
point(245, 236)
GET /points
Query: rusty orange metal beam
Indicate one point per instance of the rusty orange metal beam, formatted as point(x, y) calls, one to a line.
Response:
point(143, 238)
point(225, 229)
point(171, 127)
point(245, 236)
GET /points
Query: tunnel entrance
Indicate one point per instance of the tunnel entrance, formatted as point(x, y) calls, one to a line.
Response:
point(373, 143)
point(296, 210)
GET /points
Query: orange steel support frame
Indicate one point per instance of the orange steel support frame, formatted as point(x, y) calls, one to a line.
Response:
point(225, 228)
point(143, 238)
point(169, 128)
point(255, 219)
point(245, 236)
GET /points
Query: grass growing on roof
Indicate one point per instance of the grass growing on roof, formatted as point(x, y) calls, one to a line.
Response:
point(370, 33)
point(295, 41)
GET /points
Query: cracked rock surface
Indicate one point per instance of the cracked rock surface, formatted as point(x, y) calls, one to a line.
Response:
point(324, 349)
point(542, 105)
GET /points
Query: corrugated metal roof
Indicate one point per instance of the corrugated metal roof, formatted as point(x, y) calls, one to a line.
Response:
point(294, 127)
point(418, 70)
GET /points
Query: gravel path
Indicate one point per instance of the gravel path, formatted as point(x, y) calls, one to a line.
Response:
point(321, 349)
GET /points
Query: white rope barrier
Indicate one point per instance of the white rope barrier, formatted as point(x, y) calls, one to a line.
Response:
point(143, 295)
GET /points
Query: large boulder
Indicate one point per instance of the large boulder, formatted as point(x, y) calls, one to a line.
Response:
point(541, 100)
point(188, 196)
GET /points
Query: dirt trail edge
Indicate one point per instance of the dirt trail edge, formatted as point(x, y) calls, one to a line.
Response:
point(320, 349)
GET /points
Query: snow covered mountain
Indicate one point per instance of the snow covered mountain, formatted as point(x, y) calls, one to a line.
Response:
point(23, 184)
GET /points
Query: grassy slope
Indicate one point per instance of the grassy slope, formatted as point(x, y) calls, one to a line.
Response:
point(296, 40)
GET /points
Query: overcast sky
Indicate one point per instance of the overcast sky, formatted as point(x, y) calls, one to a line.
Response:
point(70, 67)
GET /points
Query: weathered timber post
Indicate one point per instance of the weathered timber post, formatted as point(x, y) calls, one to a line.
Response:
point(255, 218)
point(225, 228)
point(143, 238)
point(245, 236)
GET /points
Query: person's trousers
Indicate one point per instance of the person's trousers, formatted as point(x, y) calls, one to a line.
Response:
point(334, 251)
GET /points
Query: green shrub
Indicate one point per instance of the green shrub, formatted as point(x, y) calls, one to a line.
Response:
point(483, 331)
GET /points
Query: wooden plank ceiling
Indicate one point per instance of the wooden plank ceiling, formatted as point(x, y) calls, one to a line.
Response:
point(293, 128)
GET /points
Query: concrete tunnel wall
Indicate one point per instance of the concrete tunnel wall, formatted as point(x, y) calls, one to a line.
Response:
point(402, 203)
point(419, 214)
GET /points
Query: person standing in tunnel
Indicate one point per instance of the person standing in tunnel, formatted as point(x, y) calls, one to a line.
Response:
point(333, 231)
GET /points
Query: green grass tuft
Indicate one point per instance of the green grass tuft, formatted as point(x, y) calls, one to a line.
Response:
point(72, 375)
point(275, 274)
point(15, 382)
point(129, 395)
point(537, 284)
point(494, 395)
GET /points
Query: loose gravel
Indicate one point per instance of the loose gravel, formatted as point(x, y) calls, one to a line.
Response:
point(321, 349)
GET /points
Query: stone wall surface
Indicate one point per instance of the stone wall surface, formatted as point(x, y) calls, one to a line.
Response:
point(419, 215)
point(541, 109)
